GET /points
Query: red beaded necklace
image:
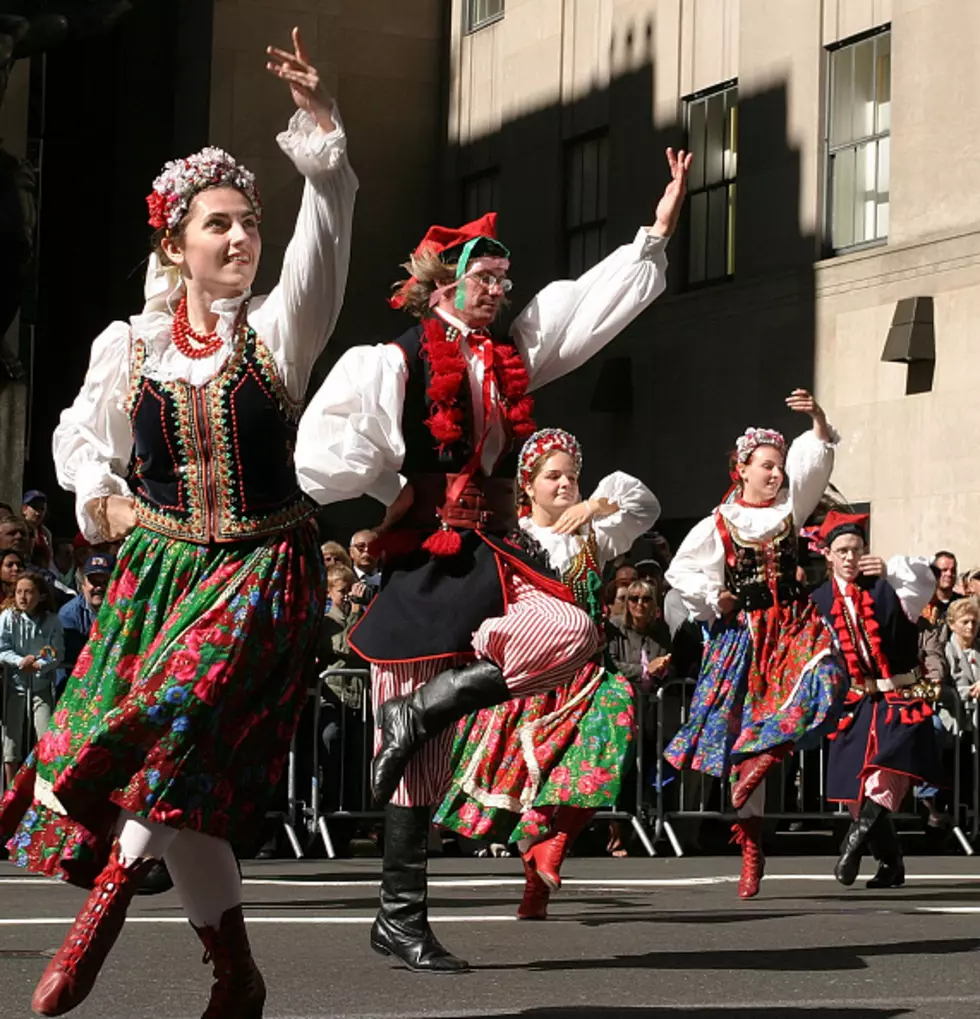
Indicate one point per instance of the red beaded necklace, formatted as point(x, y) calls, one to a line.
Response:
point(188, 342)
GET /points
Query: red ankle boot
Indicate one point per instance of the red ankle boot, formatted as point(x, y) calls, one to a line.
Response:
point(546, 857)
point(71, 974)
point(239, 990)
point(534, 905)
point(748, 834)
point(754, 770)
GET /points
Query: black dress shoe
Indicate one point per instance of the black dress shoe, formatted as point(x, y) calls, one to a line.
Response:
point(888, 876)
point(408, 722)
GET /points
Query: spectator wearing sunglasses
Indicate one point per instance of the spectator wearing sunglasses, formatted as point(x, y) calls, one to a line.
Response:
point(640, 645)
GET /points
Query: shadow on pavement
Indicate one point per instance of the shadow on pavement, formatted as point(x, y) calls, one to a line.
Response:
point(815, 958)
point(716, 1012)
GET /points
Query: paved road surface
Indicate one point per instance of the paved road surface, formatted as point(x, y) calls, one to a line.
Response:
point(629, 939)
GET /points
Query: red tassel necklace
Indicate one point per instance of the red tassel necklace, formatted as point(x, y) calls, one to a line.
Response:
point(447, 370)
point(189, 343)
point(866, 630)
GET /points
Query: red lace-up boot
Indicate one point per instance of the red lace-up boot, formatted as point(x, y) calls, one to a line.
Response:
point(748, 834)
point(239, 990)
point(546, 857)
point(534, 905)
point(754, 770)
point(71, 974)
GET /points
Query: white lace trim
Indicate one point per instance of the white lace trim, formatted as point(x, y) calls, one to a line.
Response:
point(44, 794)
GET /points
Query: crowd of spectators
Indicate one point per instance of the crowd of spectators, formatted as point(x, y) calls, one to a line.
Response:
point(51, 590)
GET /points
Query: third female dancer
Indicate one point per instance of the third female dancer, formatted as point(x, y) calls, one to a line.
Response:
point(534, 770)
point(770, 678)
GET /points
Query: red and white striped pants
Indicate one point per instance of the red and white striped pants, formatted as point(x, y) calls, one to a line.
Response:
point(539, 643)
point(884, 787)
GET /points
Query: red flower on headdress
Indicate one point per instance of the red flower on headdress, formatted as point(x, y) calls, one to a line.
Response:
point(157, 205)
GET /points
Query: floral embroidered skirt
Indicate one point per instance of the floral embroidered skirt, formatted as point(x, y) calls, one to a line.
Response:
point(183, 703)
point(767, 678)
point(568, 747)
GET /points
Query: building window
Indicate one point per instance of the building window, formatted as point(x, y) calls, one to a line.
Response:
point(586, 201)
point(480, 194)
point(859, 142)
point(482, 12)
point(712, 136)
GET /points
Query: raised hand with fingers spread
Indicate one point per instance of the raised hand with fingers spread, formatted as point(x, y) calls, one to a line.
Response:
point(304, 81)
point(670, 205)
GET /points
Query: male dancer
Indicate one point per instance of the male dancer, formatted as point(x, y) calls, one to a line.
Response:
point(431, 425)
point(885, 738)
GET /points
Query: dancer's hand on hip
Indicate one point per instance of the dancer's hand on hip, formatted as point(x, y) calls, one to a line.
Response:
point(114, 515)
point(304, 81)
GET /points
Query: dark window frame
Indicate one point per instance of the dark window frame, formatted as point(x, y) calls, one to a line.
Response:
point(727, 183)
point(833, 150)
point(473, 22)
point(490, 176)
point(580, 228)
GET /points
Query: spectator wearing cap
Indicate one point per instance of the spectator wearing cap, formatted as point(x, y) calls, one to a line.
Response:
point(35, 509)
point(78, 616)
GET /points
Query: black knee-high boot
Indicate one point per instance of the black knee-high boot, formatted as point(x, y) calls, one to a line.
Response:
point(408, 722)
point(402, 925)
point(887, 851)
point(852, 848)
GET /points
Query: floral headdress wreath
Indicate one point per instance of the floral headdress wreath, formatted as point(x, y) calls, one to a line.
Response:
point(181, 179)
point(544, 442)
point(745, 445)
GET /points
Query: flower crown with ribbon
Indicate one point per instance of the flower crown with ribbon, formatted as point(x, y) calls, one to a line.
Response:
point(753, 438)
point(181, 179)
point(544, 442)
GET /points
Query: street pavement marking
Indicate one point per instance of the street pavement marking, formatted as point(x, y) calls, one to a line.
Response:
point(67, 921)
point(516, 882)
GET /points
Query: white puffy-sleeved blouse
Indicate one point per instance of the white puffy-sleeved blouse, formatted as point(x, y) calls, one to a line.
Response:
point(94, 439)
point(638, 511)
point(697, 571)
point(350, 438)
point(913, 581)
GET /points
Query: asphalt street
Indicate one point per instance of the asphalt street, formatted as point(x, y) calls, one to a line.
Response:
point(628, 939)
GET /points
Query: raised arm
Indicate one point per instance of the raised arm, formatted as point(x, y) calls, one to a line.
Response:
point(350, 440)
point(571, 320)
point(810, 460)
point(94, 438)
point(300, 313)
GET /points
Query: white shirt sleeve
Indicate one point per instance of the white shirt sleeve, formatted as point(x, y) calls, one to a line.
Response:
point(297, 317)
point(638, 512)
point(914, 583)
point(350, 440)
point(571, 320)
point(697, 571)
point(94, 438)
point(809, 464)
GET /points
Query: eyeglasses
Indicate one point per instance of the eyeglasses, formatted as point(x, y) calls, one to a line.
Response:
point(489, 281)
point(639, 598)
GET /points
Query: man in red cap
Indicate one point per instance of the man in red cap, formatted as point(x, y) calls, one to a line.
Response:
point(885, 738)
point(431, 426)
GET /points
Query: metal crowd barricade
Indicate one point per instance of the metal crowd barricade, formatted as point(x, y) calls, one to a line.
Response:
point(810, 780)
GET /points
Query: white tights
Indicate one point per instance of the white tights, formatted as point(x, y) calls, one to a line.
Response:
point(203, 868)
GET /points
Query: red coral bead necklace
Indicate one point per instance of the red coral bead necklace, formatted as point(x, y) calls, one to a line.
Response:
point(189, 343)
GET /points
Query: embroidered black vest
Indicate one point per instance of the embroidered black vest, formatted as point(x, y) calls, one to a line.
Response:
point(754, 570)
point(899, 635)
point(422, 453)
point(214, 463)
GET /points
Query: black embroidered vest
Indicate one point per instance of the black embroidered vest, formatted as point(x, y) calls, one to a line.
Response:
point(214, 463)
point(755, 570)
point(899, 635)
point(422, 453)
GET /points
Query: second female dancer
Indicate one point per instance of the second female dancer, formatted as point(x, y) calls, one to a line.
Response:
point(176, 722)
point(770, 677)
point(535, 770)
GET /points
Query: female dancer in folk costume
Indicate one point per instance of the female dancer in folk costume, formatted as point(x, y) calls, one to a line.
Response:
point(431, 425)
point(534, 770)
point(770, 678)
point(885, 739)
point(177, 720)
